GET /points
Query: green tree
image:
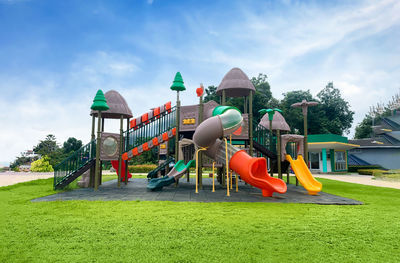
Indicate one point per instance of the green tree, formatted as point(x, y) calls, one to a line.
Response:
point(294, 116)
point(72, 144)
point(47, 146)
point(211, 94)
point(338, 116)
point(42, 165)
point(364, 129)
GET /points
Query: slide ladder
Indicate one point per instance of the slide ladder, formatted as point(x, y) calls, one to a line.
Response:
point(74, 165)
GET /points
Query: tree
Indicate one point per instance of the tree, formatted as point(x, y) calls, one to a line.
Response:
point(294, 116)
point(338, 116)
point(331, 115)
point(47, 146)
point(364, 129)
point(72, 144)
point(211, 94)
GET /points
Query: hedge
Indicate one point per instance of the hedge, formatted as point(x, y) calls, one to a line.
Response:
point(141, 168)
point(355, 168)
point(369, 171)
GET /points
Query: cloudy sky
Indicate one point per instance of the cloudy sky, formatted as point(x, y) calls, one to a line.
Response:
point(54, 55)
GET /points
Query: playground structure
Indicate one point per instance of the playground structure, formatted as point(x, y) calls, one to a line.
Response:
point(214, 130)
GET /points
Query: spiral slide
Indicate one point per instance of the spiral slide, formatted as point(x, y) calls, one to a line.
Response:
point(115, 165)
point(225, 121)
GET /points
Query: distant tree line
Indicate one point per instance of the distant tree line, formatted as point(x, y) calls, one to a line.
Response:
point(50, 150)
point(331, 115)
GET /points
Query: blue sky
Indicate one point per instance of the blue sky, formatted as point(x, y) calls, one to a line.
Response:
point(54, 55)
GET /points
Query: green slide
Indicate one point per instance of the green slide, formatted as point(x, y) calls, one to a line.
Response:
point(177, 172)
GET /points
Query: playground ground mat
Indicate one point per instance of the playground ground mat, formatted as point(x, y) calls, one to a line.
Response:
point(185, 192)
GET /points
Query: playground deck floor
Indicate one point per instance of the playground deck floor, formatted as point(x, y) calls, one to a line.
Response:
point(185, 192)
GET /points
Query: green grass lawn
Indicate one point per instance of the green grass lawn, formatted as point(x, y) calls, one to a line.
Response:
point(132, 231)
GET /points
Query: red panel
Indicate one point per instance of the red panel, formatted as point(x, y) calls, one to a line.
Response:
point(155, 141)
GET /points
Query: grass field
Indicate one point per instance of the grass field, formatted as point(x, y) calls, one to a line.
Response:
point(132, 231)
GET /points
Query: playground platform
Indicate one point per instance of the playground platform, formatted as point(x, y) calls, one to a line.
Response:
point(185, 192)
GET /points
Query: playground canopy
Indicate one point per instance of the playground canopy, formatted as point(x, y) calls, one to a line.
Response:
point(236, 84)
point(118, 107)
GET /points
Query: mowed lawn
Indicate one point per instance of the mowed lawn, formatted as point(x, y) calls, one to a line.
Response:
point(133, 231)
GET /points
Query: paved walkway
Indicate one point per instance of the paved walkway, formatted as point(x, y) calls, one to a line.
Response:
point(360, 179)
point(10, 178)
point(185, 192)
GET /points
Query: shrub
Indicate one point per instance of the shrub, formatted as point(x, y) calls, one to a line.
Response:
point(141, 168)
point(370, 171)
point(42, 165)
point(355, 168)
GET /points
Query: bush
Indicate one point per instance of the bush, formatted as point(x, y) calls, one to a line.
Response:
point(141, 168)
point(355, 168)
point(42, 165)
point(370, 171)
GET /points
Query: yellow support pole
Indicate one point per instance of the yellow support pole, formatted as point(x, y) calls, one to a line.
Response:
point(213, 189)
point(197, 168)
point(237, 181)
point(227, 167)
point(230, 142)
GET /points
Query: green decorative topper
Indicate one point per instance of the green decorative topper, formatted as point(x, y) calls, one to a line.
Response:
point(177, 84)
point(270, 112)
point(100, 102)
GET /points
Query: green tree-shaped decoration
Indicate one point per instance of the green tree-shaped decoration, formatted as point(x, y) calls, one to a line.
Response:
point(100, 102)
point(177, 84)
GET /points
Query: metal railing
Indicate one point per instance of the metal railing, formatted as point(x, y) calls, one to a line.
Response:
point(74, 162)
point(152, 128)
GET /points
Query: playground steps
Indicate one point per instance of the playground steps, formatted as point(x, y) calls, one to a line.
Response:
point(72, 176)
point(153, 174)
point(74, 165)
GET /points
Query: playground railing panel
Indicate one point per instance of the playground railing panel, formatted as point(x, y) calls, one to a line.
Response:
point(152, 128)
point(74, 162)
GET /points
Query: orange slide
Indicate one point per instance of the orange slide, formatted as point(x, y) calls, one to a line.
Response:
point(254, 172)
point(115, 165)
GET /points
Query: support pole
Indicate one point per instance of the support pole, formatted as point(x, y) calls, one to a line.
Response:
point(230, 142)
point(97, 169)
point(223, 101)
point(227, 167)
point(305, 138)
point(92, 137)
point(197, 168)
point(120, 151)
point(213, 177)
point(251, 122)
point(178, 109)
point(127, 143)
point(201, 106)
point(278, 141)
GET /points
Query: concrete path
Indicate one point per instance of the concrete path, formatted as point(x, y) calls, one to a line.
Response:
point(10, 178)
point(360, 179)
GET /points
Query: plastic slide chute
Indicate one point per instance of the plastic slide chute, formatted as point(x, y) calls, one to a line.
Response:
point(253, 171)
point(115, 165)
point(304, 175)
point(180, 168)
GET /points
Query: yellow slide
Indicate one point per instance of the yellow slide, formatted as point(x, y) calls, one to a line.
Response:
point(304, 175)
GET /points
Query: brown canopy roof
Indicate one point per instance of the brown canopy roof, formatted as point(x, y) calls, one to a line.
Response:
point(236, 84)
point(118, 106)
point(278, 122)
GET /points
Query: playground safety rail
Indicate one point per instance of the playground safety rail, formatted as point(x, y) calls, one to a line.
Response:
point(73, 163)
point(145, 131)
